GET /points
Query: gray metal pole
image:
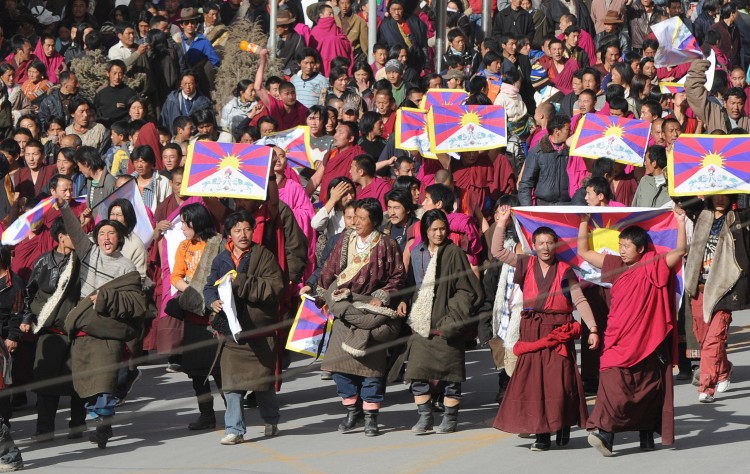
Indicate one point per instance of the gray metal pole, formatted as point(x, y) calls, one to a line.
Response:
point(372, 29)
point(487, 18)
point(440, 9)
point(272, 28)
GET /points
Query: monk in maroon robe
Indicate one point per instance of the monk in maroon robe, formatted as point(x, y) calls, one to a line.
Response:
point(339, 161)
point(635, 380)
point(545, 393)
point(472, 175)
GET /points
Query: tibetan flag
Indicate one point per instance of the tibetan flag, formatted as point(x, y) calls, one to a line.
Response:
point(671, 87)
point(21, 227)
point(707, 164)
point(236, 170)
point(443, 97)
point(457, 128)
point(412, 132)
point(144, 227)
point(311, 330)
point(676, 44)
point(295, 142)
point(605, 226)
point(621, 139)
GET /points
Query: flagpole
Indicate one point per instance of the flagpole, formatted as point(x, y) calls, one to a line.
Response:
point(440, 34)
point(486, 18)
point(372, 30)
point(274, 4)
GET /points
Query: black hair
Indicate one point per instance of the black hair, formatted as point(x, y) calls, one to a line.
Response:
point(512, 76)
point(402, 197)
point(428, 218)
point(5, 258)
point(367, 122)
point(571, 29)
point(544, 230)
point(625, 72)
point(90, 157)
point(365, 163)
point(145, 153)
point(128, 212)
point(235, 218)
point(736, 92)
point(658, 154)
point(406, 183)
point(650, 43)
point(57, 228)
point(93, 40)
point(491, 57)
point(600, 186)
point(10, 146)
point(602, 167)
point(116, 62)
point(39, 66)
point(17, 42)
point(444, 194)
point(653, 107)
point(353, 128)
point(341, 179)
point(589, 93)
point(727, 10)
point(637, 235)
point(173, 146)
point(121, 27)
point(271, 81)
point(121, 127)
point(181, 122)
point(373, 208)
point(197, 217)
point(202, 116)
point(136, 125)
point(76, 102)
point(557, 122)
point(337, 73)
point(53, 181)
point(619, 103)
point(379, 46)
point(57, 121)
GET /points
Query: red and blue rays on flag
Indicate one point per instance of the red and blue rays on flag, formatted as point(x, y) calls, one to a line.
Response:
point(671, 87)
point(706, 164)
point(605, 226)
point(238, 170)
point(457, 128)
point(22, 227)
point(311, 329)
point(443, 97)
point(412, 132)
point(621, 139)
point(295, 142)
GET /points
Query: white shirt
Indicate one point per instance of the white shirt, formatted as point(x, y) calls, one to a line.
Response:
point(119, 51)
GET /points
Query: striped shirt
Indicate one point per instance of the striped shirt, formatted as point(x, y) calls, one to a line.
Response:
point(310, 91)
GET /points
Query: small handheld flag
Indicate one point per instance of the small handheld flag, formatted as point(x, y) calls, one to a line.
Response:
point(443, 97)
point(295, 142)
point(457, 128)
point(621, 139)
point(412, 132)
point(143, 228)
point(707, 164)
point(311, 330)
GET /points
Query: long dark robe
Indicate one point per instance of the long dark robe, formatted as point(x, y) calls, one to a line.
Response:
point(545, 393)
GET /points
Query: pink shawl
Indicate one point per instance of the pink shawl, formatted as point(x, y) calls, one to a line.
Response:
point(54, 64)
point(294, 196)
point(330, 42)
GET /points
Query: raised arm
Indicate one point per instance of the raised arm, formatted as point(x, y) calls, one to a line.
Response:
point(80, 240)
point(594, 258)
point(498, 249)
point(674, 257)
point(261, 91)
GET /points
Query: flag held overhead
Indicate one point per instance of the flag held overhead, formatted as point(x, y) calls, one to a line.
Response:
point(707, 164)
point(458, 128)
point(621, 139)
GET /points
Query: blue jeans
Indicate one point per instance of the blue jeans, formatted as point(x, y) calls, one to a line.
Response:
point(103, 405)
point(423, 387)
point(370, 389)
point(476, 25)
point(234, 417)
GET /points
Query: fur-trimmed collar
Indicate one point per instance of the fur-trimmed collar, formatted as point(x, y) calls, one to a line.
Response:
point(420, 317)
point(51, 305)
point(545, 145)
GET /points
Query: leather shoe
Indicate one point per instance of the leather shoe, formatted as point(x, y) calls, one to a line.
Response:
point(543, 442)
point(647, 440)
point(602, 441)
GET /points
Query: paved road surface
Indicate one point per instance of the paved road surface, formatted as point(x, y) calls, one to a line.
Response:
point(152, 435)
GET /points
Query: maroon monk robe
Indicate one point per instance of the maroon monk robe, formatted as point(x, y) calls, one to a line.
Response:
point(26, 187)
point(563, 80)
point(626, 188)
point(339, 163)
point(472, 183)
point(635, 383)
point(377, 189)
point(503, 177)
point(545, 393)
point(25, 253)
point(149, 135)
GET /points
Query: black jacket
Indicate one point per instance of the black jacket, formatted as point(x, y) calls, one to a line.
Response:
point(546, 173)
point(11, 306)
point(42, 286)
point(52, 106)
point(514, 23)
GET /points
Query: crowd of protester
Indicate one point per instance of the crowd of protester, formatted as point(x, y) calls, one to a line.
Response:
point(397, 246)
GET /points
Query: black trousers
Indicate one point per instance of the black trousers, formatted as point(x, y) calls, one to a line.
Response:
point(47, 410)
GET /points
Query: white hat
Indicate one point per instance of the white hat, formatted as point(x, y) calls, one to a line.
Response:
point(44, 16)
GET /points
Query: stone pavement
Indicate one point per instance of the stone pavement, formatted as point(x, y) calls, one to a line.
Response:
point(152, 435)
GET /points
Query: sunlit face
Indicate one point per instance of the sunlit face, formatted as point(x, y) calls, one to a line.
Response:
point(48, 47)
point(65, 166)
point(116, 214)
point(577, 85)
point(241, 235)
point(143, 28)
point(649, 52)
point(415, 194)
point(361, 76)
point(22, 139)
point(589, 82)
point(657, 132)
point(544, 246)
point(629, 253)
point(33, 157)
point(616, 78)
point(616, 113)
point(738, 78)
point(427, 203)
point(612, 56)
point(593, 198)
point(345, 6)
point(354, 172)
point(671, 132)
point(396, 12)
point(34, 75)
point(458, 43)
point(735, 106)
point(64, 190)
point(362, 223)
point(143, 168)
point(267, 128)
point(342, 137)
point(396, 213)
point(211, 17)
point(127, 37)
point(31, 125)
point(586, 103)
point(572, 39)
point(187, 231)
point(339, 85)
point(649, 69)
point(7, 78)
point(349, 217)
point(437, 232)
point(188, 85)
point(381, 56)
point(307, 65)
point(107, 239)
point(556, 51)
point(646, 114)
point(403, 55)
point(332, 123)
point(55, 130)
point(561, 134)
point(170, 158)
point(314, 122)
point(136, 111)
point(281, 160)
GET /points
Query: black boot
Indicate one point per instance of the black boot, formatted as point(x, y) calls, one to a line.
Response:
point(563, 436)
point(207, 418)
point(426, 419)
point(647, 440)
point(103, 431)
point(542, 443)
point(450, 421)
point(502, 385)
point(371, 423)
point(602, 441)
point(354, 416)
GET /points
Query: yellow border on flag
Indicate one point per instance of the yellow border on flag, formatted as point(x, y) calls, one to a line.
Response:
point(189, 163)
point(433, 143)
point(399, 143)
point(577, 135)
point(669, 84)
point(327, 329)
point(670, 168)
point(423, 102)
